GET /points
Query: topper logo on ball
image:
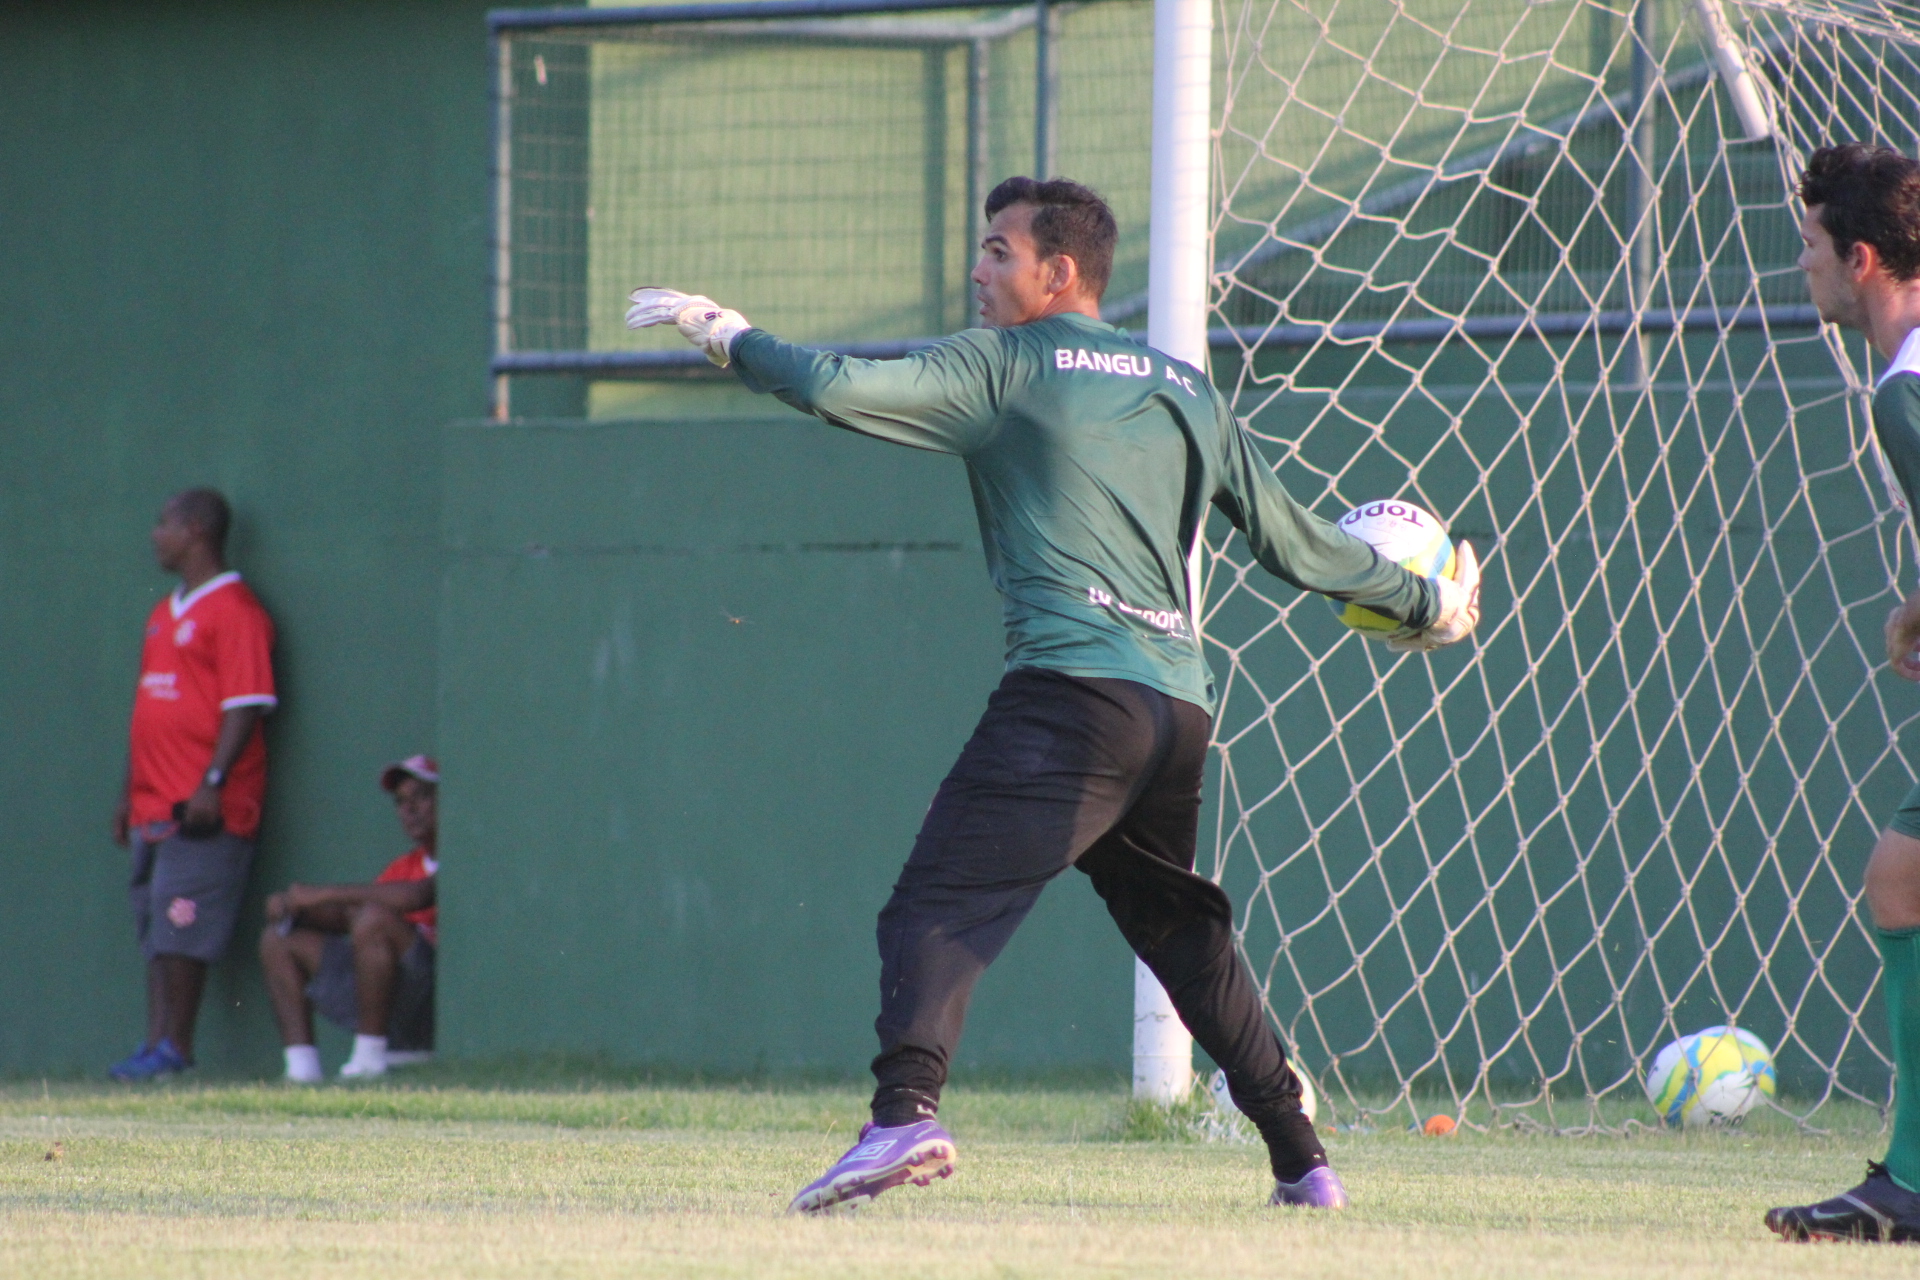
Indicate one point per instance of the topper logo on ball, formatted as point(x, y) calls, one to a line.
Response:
point(1410, 536)
point(1374, 511)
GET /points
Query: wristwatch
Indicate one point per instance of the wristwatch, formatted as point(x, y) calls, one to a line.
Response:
point(215, 777)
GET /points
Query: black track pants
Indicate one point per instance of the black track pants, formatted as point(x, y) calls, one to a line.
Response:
point(1103, 775)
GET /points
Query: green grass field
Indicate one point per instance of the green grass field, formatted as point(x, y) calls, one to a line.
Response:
point(450, 1179)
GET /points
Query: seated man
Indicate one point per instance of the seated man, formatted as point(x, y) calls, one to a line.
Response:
point(362, 954)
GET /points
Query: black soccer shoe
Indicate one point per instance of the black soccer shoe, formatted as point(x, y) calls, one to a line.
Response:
point(1879, 1209)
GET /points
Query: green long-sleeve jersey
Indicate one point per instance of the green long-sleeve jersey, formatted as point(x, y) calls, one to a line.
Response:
point(1896, 421)
point(1092, 460)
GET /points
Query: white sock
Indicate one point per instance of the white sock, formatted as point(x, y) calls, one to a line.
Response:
point(370, 1051)
point(303, 1064)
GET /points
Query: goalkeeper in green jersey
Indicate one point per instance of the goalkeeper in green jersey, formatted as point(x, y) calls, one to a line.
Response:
point(1862, 260)
point(1093, 460)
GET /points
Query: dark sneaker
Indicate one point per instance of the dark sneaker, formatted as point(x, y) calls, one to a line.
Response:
point(1319, 1189)
point(150, 1063)
point(881, 1159)
point(1879, 1209)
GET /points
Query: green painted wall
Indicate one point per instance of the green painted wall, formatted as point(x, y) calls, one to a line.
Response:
point(248, 248)
point(245, 247)
point(700, 682)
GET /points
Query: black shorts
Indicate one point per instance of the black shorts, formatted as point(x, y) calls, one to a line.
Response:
point(336, 993)
point(1063, 767)
point(1062, 771)
point(186, 894)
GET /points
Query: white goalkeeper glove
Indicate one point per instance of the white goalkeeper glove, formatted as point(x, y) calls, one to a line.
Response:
point(1459, 608)
point(702, 321)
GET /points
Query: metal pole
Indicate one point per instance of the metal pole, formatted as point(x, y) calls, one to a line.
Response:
point(502, 218)
point(937, 143)
point(1643, 192)
point(1750, 94)
point(1046, 89)
point(978, 68)
point(1178, 278)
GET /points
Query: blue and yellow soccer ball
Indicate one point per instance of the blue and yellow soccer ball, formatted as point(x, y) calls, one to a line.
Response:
point(1409, 536)
point(1711, 1077)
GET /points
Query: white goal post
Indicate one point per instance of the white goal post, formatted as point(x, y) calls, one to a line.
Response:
point(1177, 286)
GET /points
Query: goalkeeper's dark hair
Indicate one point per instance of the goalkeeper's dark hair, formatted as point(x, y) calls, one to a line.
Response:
point(208, 510)
point(1067, 219)
point(1868, 194)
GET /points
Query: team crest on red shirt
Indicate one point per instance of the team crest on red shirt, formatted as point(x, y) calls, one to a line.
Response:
point(184, 632)
point(182, 912)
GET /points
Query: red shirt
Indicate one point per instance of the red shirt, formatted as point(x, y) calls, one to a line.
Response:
point(205, 654)
point(408, 867)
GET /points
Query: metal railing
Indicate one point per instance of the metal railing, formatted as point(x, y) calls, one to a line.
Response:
point(778, 20)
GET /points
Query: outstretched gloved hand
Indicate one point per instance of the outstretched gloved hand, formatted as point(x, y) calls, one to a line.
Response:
point(702, 321)
point(1459, 608)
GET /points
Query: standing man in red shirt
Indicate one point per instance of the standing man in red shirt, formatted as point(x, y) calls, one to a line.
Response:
point(196, 772)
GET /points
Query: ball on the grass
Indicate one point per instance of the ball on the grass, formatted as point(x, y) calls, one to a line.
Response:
point(1437, 1126)
point(1711, 1077)
point(1223, 1099)
point(1410, 536)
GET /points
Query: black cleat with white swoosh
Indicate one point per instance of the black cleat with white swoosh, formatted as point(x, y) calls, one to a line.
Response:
point(1879, 1209)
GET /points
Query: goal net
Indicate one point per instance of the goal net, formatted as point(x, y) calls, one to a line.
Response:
point(1531, 265)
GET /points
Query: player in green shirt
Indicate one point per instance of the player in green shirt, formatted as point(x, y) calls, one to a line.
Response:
point(1862, 260)
point(1093, 460)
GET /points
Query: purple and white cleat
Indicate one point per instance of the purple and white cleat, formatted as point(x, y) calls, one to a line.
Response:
point(880, 1160)
point(1319, 1189)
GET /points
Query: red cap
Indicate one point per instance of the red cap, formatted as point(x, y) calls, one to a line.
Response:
point(425, 768)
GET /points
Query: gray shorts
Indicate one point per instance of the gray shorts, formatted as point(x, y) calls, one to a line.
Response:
point(336, 995)
point(186, 893)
